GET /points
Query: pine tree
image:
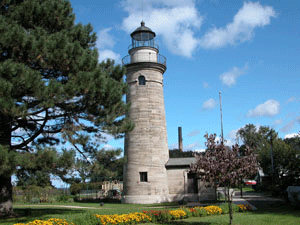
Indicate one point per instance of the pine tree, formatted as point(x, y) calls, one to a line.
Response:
point(51, 83)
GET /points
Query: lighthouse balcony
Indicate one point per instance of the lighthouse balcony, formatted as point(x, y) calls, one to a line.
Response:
point(141, 57)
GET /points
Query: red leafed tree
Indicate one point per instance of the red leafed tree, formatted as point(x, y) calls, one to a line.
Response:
point(221, 166)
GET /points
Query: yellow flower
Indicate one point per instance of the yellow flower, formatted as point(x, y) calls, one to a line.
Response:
point(52, 221)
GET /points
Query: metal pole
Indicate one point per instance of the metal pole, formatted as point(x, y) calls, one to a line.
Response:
point(272, 158)
point(220, 99)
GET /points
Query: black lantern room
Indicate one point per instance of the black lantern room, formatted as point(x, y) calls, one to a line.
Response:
point(143, 37)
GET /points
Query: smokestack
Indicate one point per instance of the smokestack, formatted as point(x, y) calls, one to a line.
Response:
point(180, 147)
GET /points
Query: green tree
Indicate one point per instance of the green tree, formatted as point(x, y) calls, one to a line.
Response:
point(35, 169)
point(108, 165)
point(51, 83)
point(177, 153)
point(268, 146)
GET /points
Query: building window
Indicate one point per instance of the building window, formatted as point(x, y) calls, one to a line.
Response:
point(142, 80)
point(143, 177)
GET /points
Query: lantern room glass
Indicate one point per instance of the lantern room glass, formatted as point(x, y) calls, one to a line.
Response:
point(143, 37)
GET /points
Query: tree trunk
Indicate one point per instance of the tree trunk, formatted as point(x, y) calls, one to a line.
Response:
point(230, 212)
point(230, 206)
point(6, 201)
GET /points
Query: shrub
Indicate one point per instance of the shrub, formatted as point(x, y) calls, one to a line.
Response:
point(65, 198)
point(35, 200)
point(76, 188)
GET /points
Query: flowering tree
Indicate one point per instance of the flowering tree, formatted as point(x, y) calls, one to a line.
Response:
point(221, 166)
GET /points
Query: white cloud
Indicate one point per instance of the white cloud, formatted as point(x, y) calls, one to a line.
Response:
point(268, 108)
point(229, 78)
point(290, 125)
point(232, 137)
point(292, 99)
point(108, 54)
point(200, 150)
point(209, 104)
point(175, 21)
point(105, 40)
point(105, 43)
point(291, 135)
point(241, 29)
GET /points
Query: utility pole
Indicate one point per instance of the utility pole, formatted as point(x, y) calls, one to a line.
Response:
point(272, 157)
point(220, 99)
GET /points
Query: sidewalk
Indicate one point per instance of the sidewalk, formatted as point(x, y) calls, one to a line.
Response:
point(256, 200)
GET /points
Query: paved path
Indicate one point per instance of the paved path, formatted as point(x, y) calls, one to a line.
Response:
point(61, 206)
point(258, 200)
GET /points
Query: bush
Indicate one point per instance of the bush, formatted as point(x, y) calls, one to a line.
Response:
point(35, 201)
point(76, 188)
point(34, 194)
point(65, 198)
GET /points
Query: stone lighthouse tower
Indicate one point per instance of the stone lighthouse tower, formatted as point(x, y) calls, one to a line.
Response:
point(146, 146)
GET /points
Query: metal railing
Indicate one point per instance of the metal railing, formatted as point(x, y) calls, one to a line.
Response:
point(138, 44)
point(144, 57)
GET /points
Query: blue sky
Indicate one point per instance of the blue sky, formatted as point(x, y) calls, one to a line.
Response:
point(248, 50)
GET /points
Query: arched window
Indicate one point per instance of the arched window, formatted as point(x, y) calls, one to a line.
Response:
point(142, 80)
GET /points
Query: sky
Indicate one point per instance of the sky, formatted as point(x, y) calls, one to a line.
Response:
point(247, 50)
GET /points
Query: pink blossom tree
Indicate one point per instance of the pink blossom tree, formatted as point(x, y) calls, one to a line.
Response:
point(221, 166)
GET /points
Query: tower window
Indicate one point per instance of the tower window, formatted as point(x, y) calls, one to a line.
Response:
point(142, 80)
point(143, 177)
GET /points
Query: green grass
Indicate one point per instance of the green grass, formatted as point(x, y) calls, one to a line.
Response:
point(280, 214)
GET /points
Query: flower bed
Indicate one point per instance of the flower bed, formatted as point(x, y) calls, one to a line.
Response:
point(131, 218)
point(52, 221)
point(160, 216)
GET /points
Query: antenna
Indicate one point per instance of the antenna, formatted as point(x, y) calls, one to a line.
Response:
point(220, 99)
point(142, 10)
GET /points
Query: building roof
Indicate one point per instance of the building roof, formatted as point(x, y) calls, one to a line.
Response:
point(180, 162)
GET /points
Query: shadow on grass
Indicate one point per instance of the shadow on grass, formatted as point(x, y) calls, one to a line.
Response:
point(23, 215)
point(187, 223)
point(275, 207)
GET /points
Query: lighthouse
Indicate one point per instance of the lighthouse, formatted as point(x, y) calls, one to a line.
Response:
point(146, 146)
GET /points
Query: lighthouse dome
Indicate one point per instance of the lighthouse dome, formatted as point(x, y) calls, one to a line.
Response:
point(142, 33)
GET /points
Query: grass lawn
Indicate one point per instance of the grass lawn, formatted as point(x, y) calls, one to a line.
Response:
point(281, 215)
